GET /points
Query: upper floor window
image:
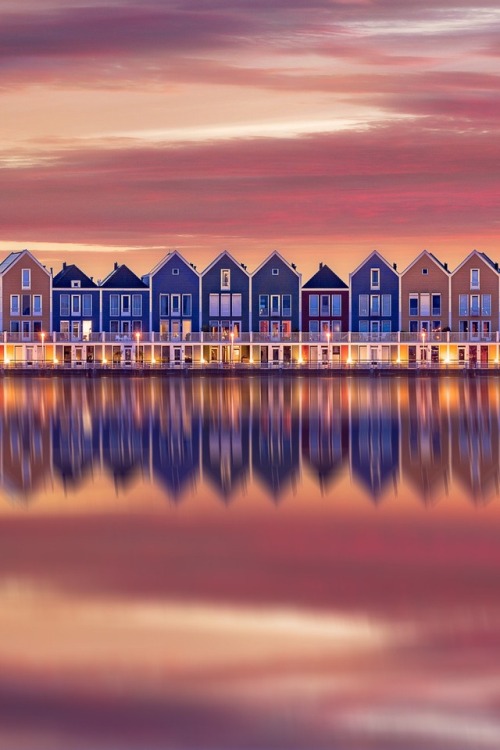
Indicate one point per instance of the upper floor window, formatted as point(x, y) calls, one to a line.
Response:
point(137, 304)
point(164, 304)
point(64, 305)
point(436, 304)
point(386, 305)
point(225, 305)
point(186, 305)
point(275, 271)
point(26, 278)
point(474, 278)
point(474, 304)
point(463, 304)
point(486, 304)
point(125, 304)
point(236, 305)
point(213, 305)
point(225, 278)
point(275, 304)
point(175, 304)
point(286, 305)
point(314, 304)
point(363, 304)
point(87, 304)
point(75, 304)
point(374, 304)
point(375, 278)
point(26, 302)
point(425, 304)
point(336, 305)
point(414, 304)
point(425, 271)
point(325, 304)
point(76, 283)
point(14, 304)
point(114, 305)
point(263, 305)
point(175, 271)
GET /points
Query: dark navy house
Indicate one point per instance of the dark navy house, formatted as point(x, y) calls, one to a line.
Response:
point(374, 296)
point(225, 297)
point(275, 297)
point(124, 304)
point(175, 297)
point(75, 304)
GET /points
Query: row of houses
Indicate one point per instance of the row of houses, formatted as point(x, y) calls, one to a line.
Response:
point(226, 313)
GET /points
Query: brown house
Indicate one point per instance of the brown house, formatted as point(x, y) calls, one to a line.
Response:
point(425, 295)
point(26, 296)
point(475, 297)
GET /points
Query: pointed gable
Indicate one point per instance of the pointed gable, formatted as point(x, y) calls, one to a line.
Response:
point(71, 273)
point(121, 277)
point(325, 278)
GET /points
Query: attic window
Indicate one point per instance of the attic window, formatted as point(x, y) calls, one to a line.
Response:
point(175, 271)
point(425, 271)
point(275, 271)
point(76, 284)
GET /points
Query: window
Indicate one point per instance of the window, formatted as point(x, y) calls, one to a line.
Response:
point(263, 305)
point(76, 283)
point(64, 326)
point(87, 304)
point(413, 326)
point(414, 304)
point(175, 271)
point(275, 304)
point(187, 305)
point(14, 304)
point(363, 304)
point(175, 304)
point(26, 278)
point(486, 304)
point(313, 304)
point(75, 304)
point(463, 326)
point(314, 326)
point(286, 306)
point(325, 304)
point(114, 326)
point(363, 326)
point(463, 304)
point(164, 307)
point(275, 271)
point(387, 305)
point(15, 326)
point(126, 327)
point(425, 271)
point(436, 325)
point(375, 326)
point(474, 304)
point(374, 278)
point(286, 328)
point(26, 303)
point(225, 278)
point(213, 305)
point(137, 326)
point(37, 304)
point(486, 327)
point(125, 304)
point(424, 326)
point(374, 304)
point(264, 326)
point(75, 329)
point(336, 305)
point(386, 326)
point(474, 278)
point(425, 304)
point(114, 303)
point(436, 304)
point(236, 301)
point(137, 304)
point(225, 305)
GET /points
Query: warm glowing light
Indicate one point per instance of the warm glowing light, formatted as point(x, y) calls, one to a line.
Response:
point(153, 361)
point(6, 361)
point(137, 337)
point(398, 361)
point(446, 360)
point(104, 361)
point(349, 360)
point(300, 360)
point(56, 361)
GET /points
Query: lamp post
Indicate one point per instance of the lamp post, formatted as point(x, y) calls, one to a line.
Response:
point(137, 338)
point(232, 344)
point(328, 348)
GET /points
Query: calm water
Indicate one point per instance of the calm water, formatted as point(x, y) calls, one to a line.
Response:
point(250, 563)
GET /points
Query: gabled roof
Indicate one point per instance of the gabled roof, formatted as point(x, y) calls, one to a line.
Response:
point(70, 273)
point(228, 255)
point(172, 254)
point(121, 277)
point(374, 253)
point(12, 259)
point(276, 254)
point(442, 266)
point(325, 278)
point(481, 256)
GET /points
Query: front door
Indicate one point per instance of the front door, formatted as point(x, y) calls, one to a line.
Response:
point(484, 356)
point(473, 355)
point(67, 355)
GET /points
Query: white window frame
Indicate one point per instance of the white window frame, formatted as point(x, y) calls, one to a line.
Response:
point(375, 285)
point(37, 311)
point(76, 283)
point(472, 272)
point(167, 298)
point(275, 300)
point(175, 305)
point(25, 285)
point(213, 305)
point(225, 279)
point(18, 298)
point(76, 304)
point(123, 311)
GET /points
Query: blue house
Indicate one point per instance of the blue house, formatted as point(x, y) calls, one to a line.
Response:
point(374, 296)
point(75, 304)
point(124, 303)
point(175, 297)
point(276, 297)
point(225, 298)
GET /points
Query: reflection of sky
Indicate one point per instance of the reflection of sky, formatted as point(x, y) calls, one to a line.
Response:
point(327, 622)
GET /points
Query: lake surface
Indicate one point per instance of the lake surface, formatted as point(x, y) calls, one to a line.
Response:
point(218, 564)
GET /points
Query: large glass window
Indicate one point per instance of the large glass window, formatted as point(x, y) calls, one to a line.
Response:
point(275, 304)
point(26, 302)
point(114, 305)
point(125, 304)
point(425, 304)
point(463, 304)
point(137, 305)
point(26, 278)
point(75, 304)
point(474, 304)
point(413, 304)
point(225, 305)
point(175, 304)
point(474, 278)
point(37, 304)
point(225, 278)
point(387, 305)
point(263, 305)
point(14, 304)
point(336, 305)
point(236, 302)
point(314, 326)
point(363, 326)
point(486, 304)
point(436, 304)
point(363, 304)
point(187, 306)
point(325, 304)
point(214, 305)
point(386, 326)
point(164, 306)
point(375, 304)
point(375, 278)
point(313, 304)
point(286, 309)
point(87, 304)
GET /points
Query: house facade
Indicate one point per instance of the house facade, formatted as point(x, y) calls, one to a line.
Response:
point(175, 298)
point(374, 296)
point(275, 298)
point(75, 304)
point(124, 304)
point(425, 296)
point(26, 298)
point(225, 298)
point(475, 297)
point(325, 304)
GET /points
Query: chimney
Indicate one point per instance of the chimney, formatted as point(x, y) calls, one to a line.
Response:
point(395, 266)
point(496, 266)
point(244, 266)
point(445, 266)
point(320, 266)
point(116, 265)
point(294, 266)
point(92, 278)
point(64, 265)
point(51, 271)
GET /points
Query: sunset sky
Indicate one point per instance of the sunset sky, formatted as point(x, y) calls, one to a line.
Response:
point(322, 128)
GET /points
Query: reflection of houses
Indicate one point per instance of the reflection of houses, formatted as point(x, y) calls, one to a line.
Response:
point(374, 423)
point(275, 433)
point(475, 439)
point(425, 437)
point(225, 433)
point(175, 438)
point(75, 446)
point(325, 428)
